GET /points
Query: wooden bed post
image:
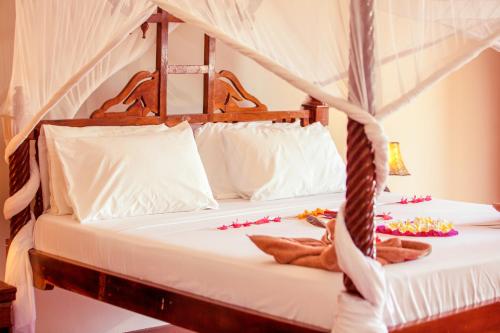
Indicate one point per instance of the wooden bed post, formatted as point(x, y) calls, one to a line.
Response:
point(19, 174)
point(209, 77)
point(359, 212)
point(319, 110)
point(162, 61)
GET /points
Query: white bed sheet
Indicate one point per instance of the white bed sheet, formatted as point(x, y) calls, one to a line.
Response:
point(187, 252)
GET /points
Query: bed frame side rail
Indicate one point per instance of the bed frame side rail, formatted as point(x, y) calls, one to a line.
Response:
point(202, 314)
point(173, 306)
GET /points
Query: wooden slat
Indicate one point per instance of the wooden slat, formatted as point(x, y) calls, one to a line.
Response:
point(129, 121)
point(196, 118)
point(5, 317)
point(187, 69)
point(7, 292)
point(162, 61)
point(209, 77)
point(484, 318)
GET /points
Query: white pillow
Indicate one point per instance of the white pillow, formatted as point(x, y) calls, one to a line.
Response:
point(209, 140)
point(53, 187)
point(273, 163)
point(121, 176)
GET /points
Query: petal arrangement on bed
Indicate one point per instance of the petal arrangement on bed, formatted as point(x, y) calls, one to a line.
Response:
point(237, 224)
point(321, 253)
point(419, 227)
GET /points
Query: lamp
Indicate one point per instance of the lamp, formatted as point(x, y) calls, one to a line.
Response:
point(396, 164)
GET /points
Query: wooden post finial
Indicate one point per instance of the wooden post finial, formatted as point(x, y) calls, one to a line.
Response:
point(144, 29)
point(318, 109)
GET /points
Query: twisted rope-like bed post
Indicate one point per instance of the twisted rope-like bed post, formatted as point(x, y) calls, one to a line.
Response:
point(19, 174)
point(359, 212)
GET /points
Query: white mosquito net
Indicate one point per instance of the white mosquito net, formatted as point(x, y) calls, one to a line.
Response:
point(63, 50)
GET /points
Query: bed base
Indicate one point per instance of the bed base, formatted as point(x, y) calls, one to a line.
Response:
point(176, 307)
point(202, 314)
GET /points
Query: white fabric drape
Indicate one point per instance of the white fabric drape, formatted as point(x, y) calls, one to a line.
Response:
point(307, 43)
point(368, 276)
point(63, 50)
point(19, 274)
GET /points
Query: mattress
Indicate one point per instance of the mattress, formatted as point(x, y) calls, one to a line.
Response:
point(186, 251)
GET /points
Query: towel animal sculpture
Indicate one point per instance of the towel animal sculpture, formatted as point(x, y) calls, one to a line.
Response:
point(321, 254)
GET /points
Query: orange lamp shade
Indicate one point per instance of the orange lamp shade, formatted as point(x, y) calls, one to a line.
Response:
point(396, 164)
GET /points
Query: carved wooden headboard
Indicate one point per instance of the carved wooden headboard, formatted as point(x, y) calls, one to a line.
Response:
point(144, 100)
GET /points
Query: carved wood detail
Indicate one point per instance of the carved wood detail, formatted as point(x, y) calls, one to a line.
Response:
point(229, 91)
point(144, 29)
point(140, 93)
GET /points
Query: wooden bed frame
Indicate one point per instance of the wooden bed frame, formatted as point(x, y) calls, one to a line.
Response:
point(145, 98)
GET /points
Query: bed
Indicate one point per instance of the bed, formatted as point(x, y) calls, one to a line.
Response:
point(223, 265)
point(181, 269)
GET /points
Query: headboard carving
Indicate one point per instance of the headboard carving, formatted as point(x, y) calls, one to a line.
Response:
point(140, 93)
point(229, 91)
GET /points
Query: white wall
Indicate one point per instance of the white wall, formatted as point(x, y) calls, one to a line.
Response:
point(424, 129)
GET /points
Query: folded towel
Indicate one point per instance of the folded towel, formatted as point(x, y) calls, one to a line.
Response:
point(315, 253)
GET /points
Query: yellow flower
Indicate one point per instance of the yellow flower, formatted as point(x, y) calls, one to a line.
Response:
point(420, 224)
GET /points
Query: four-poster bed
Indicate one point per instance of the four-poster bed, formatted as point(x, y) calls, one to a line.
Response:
point(145, 98)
